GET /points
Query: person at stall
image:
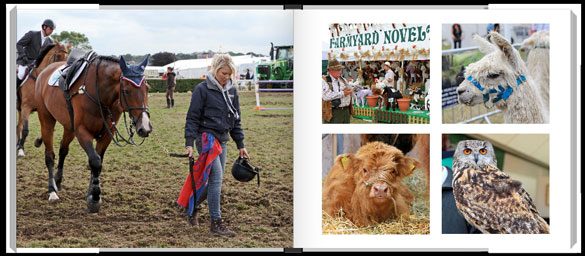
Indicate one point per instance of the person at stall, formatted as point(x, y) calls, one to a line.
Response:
point(336, 90)
point(389, 75)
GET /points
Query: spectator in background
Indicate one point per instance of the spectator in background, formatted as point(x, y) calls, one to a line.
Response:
point(248, 76)
point(497, 27)
point(456, 33)
point(171, 84)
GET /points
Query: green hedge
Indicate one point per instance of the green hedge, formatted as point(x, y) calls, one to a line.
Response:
point(183, 85)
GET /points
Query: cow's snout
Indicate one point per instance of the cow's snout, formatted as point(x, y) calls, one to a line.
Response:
point(381, 191)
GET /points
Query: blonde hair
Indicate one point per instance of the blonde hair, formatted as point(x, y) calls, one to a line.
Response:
point(223, 60)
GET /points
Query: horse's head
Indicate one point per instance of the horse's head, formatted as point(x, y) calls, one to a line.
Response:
point(61, 51)
point(134, 95)
point(486, 79)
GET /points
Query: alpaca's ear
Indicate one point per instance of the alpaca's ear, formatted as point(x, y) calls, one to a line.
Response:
point(504, 45)
point(485, 47)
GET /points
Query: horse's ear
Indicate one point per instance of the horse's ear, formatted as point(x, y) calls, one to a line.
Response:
point(123, 66)
point(506, 47)
point(69, 46)
point(144, 62)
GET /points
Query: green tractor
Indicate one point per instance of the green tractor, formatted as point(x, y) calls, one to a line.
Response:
point(279, 69)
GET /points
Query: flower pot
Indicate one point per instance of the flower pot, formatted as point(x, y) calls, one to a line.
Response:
point(372, 101)
point(403, 104)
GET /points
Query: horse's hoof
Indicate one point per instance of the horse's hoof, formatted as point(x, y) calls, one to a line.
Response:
point(38, 142)
point(53, 197)
point(93, 207)
point(20, 152)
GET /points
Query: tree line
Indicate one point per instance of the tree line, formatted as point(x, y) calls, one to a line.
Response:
point(80, 41)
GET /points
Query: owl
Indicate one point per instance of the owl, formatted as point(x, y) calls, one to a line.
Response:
point(487, 197)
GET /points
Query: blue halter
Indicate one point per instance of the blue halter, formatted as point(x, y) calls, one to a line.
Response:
point(502, 92)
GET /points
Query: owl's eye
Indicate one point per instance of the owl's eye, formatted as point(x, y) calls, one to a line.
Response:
point(483, 151)
point(467, 151)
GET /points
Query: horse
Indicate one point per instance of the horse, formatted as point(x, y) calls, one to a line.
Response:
point(26, 92)
point(106, 88)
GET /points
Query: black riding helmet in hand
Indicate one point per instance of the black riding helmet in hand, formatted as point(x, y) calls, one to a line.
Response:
point(243, 171)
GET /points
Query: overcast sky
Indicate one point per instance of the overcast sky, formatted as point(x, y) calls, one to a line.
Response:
point(116, 32)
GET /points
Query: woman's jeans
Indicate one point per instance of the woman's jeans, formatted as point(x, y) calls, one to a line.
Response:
point(213, 190)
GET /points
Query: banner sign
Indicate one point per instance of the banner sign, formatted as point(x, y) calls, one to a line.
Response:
point(395, 41)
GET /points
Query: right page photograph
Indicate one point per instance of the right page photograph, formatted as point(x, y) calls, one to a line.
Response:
point(401, 172)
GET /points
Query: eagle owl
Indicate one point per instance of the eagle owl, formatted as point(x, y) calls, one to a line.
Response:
point(487, 197)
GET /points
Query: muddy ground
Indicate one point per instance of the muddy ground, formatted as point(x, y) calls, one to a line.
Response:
point(141, 185)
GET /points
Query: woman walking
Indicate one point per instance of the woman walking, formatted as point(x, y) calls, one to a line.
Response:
point(213, 117)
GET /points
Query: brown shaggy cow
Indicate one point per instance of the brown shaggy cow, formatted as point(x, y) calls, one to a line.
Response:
point(406, 143)
point(366, 187)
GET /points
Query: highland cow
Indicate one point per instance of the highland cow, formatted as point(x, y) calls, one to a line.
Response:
point(366, 187)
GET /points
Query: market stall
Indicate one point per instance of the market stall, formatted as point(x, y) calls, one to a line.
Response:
point(365, 48)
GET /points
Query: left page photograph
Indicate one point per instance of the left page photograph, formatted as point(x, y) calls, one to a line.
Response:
point(149, 127)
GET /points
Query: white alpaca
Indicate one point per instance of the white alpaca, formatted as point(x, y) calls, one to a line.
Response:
point(501, 79)
point(538, 62)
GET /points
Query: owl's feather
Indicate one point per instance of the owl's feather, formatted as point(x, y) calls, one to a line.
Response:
point(493, 202)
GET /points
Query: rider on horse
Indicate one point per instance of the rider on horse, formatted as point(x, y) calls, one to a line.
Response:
point(29, 46)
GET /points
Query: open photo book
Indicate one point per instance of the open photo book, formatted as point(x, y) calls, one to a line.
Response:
point(197, 128)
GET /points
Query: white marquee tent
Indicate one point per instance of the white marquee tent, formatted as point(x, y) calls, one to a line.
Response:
point(196, 68)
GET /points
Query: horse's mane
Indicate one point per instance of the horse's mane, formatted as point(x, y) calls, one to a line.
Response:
point(109, 58)
point(43, 52)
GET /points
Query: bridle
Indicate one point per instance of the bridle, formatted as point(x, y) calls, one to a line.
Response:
point(54, 56)
point(502, 93)
point(124, 99)
point(116, 136)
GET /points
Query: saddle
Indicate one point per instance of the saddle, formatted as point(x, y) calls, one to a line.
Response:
point(77, 62)
point(69, 73)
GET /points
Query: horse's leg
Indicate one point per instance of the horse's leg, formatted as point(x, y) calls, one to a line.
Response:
point(22, 128)
point(102, 144)
point(47, 130)
point(63, 151)
point(93, 193)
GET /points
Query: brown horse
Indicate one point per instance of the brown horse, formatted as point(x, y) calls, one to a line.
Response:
point(105, 89)
point(26, 92)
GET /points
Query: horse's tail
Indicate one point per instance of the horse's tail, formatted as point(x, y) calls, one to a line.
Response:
point(38, 142)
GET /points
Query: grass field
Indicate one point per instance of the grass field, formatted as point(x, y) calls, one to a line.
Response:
point(140, 187)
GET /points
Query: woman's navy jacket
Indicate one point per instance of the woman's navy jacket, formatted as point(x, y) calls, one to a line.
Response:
point(209, 112)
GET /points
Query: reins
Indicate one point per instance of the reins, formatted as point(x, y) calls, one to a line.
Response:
point(116, 136)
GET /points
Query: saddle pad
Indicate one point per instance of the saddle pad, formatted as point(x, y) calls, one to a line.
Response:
point(54, 78)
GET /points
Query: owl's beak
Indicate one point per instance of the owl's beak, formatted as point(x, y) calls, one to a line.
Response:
point(475, 157)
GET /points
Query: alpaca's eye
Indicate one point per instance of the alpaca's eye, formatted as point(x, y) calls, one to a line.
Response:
point(467, 151)
point(393, 171)
point(483, 151)
point(493, 75)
